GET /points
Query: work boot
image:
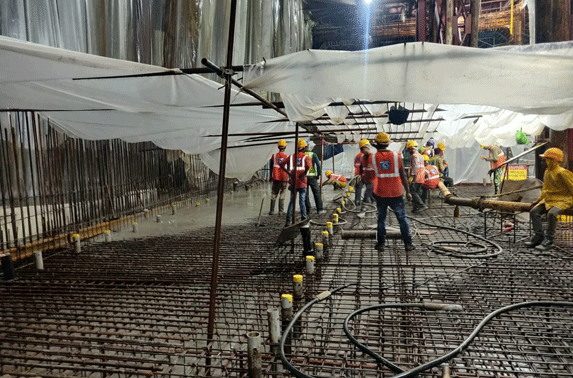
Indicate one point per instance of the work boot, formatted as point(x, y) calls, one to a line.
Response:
point(535, 241)
point(281, 207)
point(379, 247)
point(272, 207)
point(307, 245)
point(410, 247)
point(546, 245)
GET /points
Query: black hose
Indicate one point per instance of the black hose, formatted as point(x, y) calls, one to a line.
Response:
point(440, 360)
point(295, 318)
point(499, 249)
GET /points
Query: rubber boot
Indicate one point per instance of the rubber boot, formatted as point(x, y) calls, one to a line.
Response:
point(535, 241)
point(307, 245)
point(272, 207)
point(281, 207)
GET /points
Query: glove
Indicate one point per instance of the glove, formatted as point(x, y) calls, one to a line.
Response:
point(409, 196)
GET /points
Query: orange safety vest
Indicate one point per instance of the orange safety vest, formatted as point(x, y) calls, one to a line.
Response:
point(368, 174)
point(417, 168)
point(336, 177)
point(432, 178)
point(387, 165)
point(500, 159)
point(302, 162)
point(279, 174)
point(357, 160)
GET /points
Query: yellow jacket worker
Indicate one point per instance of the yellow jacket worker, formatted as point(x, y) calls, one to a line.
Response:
point(556, 196)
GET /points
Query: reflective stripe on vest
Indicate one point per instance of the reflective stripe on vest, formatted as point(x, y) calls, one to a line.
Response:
point(311, 171)
point(377, 169)
point(298, 168)
point(432, 173)
point(276, 161)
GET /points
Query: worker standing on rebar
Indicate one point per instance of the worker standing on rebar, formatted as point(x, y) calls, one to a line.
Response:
point(297, 164)
point(279, 178)
point(312, 176)
point(367, 174)
point(416, 176)
point(440, 163)
point(556, 196)
point(389, 185)
point(496, 159)
point(358, 185)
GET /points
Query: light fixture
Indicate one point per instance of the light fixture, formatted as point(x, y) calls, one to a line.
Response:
point(367, 2)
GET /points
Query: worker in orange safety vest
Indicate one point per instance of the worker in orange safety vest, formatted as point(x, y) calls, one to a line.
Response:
point(389, 185)
point(359, 185)
point(279, 178)
point(431, 177)
point(299, 163)
point(496, 160)
point(337, 181)
point(416, 176)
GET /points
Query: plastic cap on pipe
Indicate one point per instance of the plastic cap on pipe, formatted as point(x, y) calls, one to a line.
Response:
point(328, 224)
point(309, 258)
point(107, 231)
point(325, 232)
point(319, 245)
point(76, 236)
point(286, 301)
point(297, 278)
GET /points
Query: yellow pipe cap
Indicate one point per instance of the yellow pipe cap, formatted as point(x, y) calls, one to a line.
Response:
point(297, 278)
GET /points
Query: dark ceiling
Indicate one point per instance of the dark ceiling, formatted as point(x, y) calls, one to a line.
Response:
point(351, 25)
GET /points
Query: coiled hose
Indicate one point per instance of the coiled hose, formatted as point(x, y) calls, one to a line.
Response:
point(432, 306)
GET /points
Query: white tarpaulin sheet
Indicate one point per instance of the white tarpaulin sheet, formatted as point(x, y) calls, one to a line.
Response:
point(75, 91)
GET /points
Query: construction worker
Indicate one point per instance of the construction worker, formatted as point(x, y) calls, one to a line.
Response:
point(299, 163)
point(367, 175)
point(389, 185)
point(279, 178)
point(442, 165)
point(358, 185)
point(556, 196)
point(431, 177)
point(496, 159)
point(312, 176)
point(337, 181)
point(416, 176)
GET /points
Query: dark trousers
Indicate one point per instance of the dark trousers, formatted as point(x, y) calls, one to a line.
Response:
point(536, 214)
point(397, 205)
point(312, 183)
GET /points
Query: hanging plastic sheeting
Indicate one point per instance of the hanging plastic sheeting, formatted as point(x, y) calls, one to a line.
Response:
point(74, 92)
point(427, 73)
point(170, 33)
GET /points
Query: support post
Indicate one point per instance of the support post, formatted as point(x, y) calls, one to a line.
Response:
point(448, 32)
point(221, 185)
point(475, 12)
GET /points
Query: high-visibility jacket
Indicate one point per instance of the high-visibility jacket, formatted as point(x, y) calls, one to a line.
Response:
point(336, 177)
point(387, 165)
point(302, 165)
point(279, 174)
point(312, 170)
point(417, 168)
point(496, 152)
point(367, 169)
point(357, 160)
point(432, 177)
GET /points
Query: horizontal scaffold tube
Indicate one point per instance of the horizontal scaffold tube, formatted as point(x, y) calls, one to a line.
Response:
point(367, 234)
point(483, 203)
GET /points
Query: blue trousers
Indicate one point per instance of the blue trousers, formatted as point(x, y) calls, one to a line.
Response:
point(301, 202)
point(397, 205)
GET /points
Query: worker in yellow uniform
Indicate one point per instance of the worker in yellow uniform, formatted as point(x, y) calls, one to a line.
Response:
point(556, 196)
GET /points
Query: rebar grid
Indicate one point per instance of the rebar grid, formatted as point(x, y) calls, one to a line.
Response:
point(140, 308)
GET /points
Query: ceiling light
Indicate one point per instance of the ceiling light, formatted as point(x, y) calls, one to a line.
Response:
point(367, 2)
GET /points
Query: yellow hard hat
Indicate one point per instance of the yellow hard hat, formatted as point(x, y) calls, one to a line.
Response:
point(411, 143)
point(382, 138)
point(281, 143)
point(553, 153)
point(426, 158)
point(363, 142)
point(328, 173)
point(301, 143)
point(441, 146)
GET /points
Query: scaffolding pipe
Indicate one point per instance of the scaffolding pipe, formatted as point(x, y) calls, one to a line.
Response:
point(483, 203)
point(368, 234)
point(254, 358)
